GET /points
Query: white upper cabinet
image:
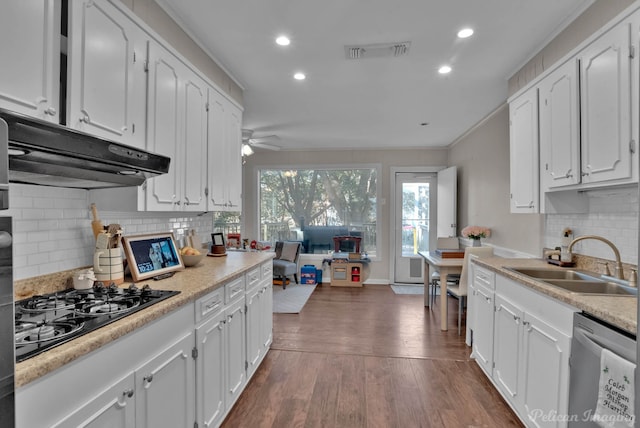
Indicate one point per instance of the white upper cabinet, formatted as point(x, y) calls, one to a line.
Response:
point(605, 79)
point(560, 127)
point(225, 160)
point(177, 123)
point(162, 192)
point(106, 76)
point(523, 131)
point(194, 135)
point(30, 71)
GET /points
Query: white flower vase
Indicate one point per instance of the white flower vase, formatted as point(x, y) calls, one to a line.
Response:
point(476, 243)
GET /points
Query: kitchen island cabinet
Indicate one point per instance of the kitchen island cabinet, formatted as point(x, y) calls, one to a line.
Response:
point(30, 72)
point(161, 357)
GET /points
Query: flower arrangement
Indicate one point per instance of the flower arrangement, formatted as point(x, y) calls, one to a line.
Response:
point(476, 232)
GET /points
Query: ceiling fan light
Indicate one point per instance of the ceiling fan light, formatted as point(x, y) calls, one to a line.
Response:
point(465, 32)
point(283, 41)
point(246, 150)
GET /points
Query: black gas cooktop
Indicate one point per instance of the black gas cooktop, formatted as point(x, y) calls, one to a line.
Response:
point(43, 322)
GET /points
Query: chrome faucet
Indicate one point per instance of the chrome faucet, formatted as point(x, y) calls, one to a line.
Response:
point(618, 268)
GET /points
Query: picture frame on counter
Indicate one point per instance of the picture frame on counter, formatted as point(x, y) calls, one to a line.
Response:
point(153, 255)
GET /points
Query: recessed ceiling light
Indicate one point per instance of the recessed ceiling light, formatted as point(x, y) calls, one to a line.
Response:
point(283, 41)
point(465, 32)
point(445, 69)
point(299, 76)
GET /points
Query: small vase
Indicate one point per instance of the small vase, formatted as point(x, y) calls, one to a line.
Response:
point(476, 243)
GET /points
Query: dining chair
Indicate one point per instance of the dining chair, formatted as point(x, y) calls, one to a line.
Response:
point(460, 289)
point(434, 283)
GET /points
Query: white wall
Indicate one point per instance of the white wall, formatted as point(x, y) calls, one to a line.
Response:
point(52, 228)
point(482, 158)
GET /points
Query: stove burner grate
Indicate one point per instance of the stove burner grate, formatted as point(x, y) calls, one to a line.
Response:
point(114, 306)
point(38, 304)
point(30, 332)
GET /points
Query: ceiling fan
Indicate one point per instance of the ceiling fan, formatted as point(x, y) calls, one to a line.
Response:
point(259, 142)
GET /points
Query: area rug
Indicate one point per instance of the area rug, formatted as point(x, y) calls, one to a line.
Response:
point(407, 289)
point(292, 299)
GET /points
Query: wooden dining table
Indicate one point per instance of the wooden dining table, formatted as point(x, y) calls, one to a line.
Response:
point(446, 267)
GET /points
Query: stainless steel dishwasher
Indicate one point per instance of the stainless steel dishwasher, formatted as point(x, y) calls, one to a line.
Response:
point(590, 337)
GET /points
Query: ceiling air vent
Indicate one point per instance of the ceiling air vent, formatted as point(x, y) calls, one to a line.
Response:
point(379, 50)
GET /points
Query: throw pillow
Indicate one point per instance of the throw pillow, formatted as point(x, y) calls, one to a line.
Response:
point(289, 251)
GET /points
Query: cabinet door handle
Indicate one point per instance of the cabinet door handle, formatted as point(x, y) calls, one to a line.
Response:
point(51, 111)
point(176, 203)
point(516, 319)
point(148, 378)
point(85, 118)
point(127, 393)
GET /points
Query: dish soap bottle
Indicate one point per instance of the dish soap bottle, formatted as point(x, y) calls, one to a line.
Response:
point(567, 237)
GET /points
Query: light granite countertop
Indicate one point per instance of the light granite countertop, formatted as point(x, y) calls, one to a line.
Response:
point(620, 311)
point(193, 282)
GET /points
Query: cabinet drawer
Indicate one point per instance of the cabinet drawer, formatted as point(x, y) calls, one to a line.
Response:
point(484, 277)
point(253, 278)
point(267, 270)
point(210, 304)
point(234, 289)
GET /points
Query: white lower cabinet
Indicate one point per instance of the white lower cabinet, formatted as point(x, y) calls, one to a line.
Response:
point(165, 387)
point(111, 408)
point(210, 370)
point(92, 398)
point(170, 373)
point(522, 340)
point(545, 372)
point(507, 344)
point(259, 318)
point(481, 305)
point(236, 350)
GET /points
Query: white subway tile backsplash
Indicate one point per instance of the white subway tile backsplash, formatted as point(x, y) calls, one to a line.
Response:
point(52, 228)
point(611, 214)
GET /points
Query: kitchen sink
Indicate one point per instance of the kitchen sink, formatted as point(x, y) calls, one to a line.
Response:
point(578, 282)
point(593, 287)
point(545, 273)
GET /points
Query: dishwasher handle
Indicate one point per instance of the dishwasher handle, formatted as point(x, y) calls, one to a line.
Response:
point(595, 344)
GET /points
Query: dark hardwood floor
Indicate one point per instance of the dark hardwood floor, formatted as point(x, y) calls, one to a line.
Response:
point(366, 357)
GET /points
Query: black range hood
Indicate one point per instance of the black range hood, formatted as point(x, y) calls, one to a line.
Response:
point(47, 154)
